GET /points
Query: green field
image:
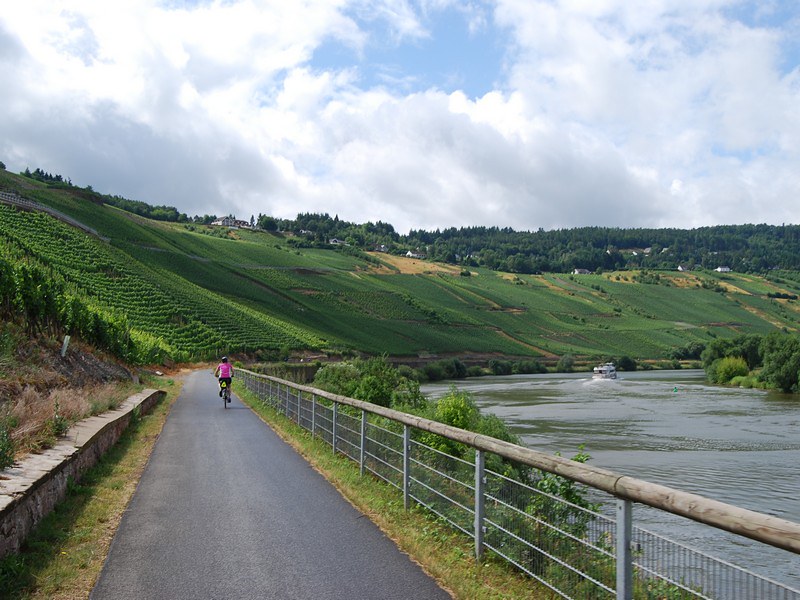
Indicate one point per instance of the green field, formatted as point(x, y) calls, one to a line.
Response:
point(252, 292)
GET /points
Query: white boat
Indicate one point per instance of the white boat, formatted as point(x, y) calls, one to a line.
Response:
point(605, 371)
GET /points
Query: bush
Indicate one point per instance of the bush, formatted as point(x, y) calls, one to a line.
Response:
point(526, 367)
point(338, 378)
point(565, 364)
point(501, 367)
point(408, 372)
point(374, 389)
point(59, 423)
point(723, 370)
point(447, 368)
point(457, 409)
point(745, 381)
point(626, 363)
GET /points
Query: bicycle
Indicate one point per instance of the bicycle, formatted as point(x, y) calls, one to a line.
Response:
point(226, 393)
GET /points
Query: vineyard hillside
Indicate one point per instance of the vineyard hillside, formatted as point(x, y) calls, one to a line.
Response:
point(189, 292)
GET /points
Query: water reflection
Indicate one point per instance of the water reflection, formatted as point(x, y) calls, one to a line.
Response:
point(735, 445)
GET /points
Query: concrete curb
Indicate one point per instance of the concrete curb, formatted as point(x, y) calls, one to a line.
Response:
point(32, 488)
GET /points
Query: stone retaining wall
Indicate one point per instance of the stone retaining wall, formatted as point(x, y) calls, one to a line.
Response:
point(31, 488)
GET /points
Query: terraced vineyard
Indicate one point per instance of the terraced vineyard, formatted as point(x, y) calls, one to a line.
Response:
point(248, 292)
point(190, 320)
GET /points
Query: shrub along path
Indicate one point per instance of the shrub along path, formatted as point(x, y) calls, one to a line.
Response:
point(226, 509)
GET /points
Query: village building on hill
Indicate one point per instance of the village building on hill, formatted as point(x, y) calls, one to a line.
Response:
point(230, 222)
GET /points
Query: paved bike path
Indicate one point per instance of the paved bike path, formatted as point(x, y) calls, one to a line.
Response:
point(225, 510)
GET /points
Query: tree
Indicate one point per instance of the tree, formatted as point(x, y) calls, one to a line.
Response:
point(565, 364)
point(2, 166)
point(626, 363)
point(781, 361)
point(748, 347)
point(267, 223)
point(691, 351)
point(501, 367)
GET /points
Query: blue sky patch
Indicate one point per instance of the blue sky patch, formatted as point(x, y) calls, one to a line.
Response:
point(449, 58)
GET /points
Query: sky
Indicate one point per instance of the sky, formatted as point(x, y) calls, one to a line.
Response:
point(426, 114)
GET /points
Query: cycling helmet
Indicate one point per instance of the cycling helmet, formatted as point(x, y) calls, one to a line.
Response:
point(224, 359)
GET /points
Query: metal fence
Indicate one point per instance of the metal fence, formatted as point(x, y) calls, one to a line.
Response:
point(578, 549)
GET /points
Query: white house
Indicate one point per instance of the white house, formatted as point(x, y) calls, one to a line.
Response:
point(723, 269)
point(230, 222)
point(581, 272)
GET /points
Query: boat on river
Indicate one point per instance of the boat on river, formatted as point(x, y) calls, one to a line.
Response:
point(605, 371)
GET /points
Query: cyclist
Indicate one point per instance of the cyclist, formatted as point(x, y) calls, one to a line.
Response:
point(224, 372)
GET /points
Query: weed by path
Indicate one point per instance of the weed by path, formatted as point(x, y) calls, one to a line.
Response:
point(64, 555)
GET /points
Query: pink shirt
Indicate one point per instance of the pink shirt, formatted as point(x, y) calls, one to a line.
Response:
point(225, 369)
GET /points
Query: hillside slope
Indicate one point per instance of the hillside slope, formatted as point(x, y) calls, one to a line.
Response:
point(197, 292)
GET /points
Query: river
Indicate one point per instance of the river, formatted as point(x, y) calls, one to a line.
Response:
point(734, 445)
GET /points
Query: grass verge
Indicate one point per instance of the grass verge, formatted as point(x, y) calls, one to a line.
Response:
point(64, 555)
point(445, 554)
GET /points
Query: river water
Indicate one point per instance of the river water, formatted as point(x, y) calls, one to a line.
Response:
point(669, 427)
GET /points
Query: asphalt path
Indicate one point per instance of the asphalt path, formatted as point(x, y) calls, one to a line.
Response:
point(225, 509)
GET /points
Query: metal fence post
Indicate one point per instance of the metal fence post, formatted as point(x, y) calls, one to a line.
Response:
point(299, 404)
point(333, 426)
point(406, 467)
point(624, 555)
point(363, 450)
point(480, 464)
point(286, 403)
point(313, 415)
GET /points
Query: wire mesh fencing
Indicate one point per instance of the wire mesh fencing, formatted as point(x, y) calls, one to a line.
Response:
point(578, 541)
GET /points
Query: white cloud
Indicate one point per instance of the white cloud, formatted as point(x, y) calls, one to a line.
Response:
point(668, 85)
point(608, 112)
